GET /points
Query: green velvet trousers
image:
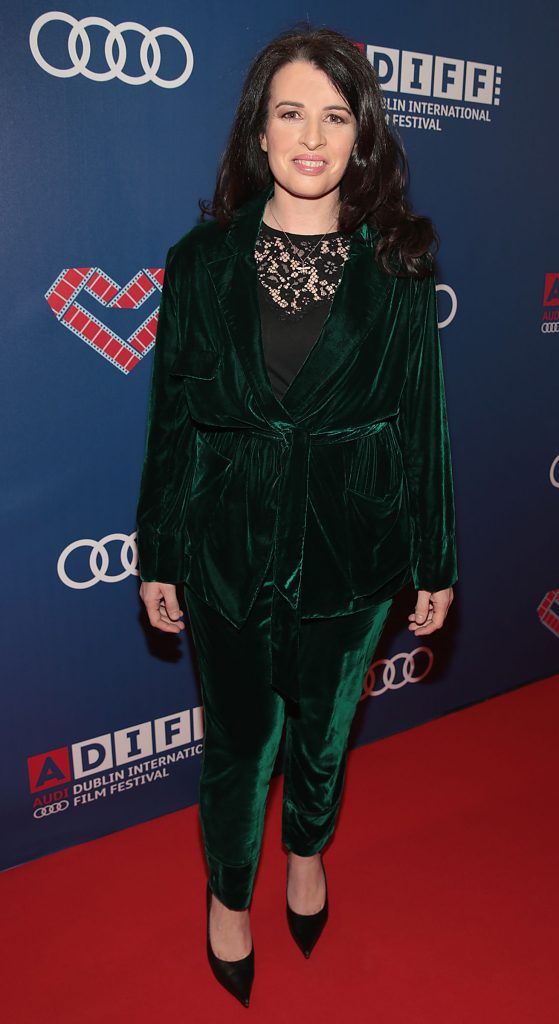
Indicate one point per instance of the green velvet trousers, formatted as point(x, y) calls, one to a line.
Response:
point(244, 719)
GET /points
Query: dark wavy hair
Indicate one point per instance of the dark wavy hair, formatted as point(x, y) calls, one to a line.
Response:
point(372, 190)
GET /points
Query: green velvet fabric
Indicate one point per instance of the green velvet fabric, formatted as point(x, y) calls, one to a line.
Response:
point(342, 489)
point(243, 723)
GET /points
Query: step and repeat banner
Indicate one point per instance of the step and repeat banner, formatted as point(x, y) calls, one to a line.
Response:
point(114, 116)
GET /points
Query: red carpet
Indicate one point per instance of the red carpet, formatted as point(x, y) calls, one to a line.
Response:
point(443, 883)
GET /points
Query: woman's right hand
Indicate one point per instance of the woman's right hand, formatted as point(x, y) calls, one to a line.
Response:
point(162, 606)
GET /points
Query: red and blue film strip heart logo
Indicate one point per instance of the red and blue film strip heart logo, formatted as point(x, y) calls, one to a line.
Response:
point(548, 611)
point(63, 295)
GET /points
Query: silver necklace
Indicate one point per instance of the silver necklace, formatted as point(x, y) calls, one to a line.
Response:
point(300, 252)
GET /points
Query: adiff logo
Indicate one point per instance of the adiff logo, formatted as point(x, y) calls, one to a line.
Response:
point(50, 769)
point(124, 353)
point(550, 316)
point(431, 88)
point(551, 291)
point(112, 753)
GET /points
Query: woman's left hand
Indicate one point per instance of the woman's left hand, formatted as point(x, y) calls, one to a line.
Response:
point(430, 610)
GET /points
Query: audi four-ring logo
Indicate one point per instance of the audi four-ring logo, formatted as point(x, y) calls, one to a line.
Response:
point(150, 53)
point(99, 560)
point(46, 812)
point(453, 304)
point(414, 666)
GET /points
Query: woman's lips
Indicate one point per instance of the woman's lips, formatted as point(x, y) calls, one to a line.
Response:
point(309, 166)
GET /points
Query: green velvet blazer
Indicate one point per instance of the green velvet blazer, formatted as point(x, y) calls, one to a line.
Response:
point(343, 488)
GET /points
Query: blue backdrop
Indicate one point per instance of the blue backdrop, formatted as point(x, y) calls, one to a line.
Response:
point(110, 138)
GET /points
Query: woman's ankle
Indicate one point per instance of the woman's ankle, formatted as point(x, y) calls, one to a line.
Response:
point(231, 936)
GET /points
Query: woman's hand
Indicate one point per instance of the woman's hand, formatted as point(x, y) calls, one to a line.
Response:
point(430, 610)
point(162, 606)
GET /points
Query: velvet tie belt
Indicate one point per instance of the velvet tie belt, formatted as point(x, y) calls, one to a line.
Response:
point(289, 537)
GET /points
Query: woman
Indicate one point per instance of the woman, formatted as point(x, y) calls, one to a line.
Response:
point(297, 469)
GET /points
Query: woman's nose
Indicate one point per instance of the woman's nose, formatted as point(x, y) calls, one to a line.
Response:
point(312, 134)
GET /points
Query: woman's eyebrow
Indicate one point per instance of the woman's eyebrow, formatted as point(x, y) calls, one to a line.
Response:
point(294, 103)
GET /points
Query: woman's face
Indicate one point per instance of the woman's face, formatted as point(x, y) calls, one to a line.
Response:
point(310, 131)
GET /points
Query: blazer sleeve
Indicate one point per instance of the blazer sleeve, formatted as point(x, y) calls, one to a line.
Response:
point(160, 537)
point(426, 446)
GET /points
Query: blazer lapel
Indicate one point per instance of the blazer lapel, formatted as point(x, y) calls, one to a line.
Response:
point(356, 301)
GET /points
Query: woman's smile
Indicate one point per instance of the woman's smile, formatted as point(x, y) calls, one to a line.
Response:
point(309, 165)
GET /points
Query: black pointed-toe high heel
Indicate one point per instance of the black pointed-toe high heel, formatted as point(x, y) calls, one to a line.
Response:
point(235, 975)
point(307, 928)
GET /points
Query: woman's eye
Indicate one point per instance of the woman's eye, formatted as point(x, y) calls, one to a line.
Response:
point(286, 116)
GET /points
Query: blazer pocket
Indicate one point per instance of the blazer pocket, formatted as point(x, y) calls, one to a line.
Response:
point(374, 516)
point(193, 361)
point(379, 540)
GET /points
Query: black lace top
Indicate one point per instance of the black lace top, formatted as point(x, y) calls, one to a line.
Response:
point(294, 303)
